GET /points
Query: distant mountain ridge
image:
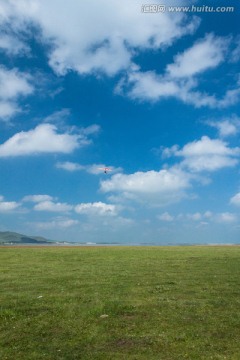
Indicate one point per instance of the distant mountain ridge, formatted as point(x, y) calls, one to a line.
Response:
point(8, 237)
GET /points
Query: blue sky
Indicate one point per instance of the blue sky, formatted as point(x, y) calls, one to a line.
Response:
point(153, 95)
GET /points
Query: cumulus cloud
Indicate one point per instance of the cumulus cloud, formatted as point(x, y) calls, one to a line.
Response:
point(226, 217)
point(8, 109)
point(181, 78)
point(165, 217)
point(11, 45)
point(112, 46)
point(200, 217)
point(147, 86)
point(199, 99)
point(208, 214)
point(96, 208)
point(195, 217)
point(226, 127)
point(47, 203)
point(69, 166)
point(204, 218)
point(43, 139)
point(37, 198)
point(108, 47)
point(13, 85)
point(156, 187)
point(150, 86)
point(52, 206)
point(205, 54)
point(8, 206)
point(205, 154)
point(235, 200)
point(207, 146)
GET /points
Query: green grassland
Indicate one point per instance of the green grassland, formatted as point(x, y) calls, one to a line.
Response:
point(115, 303)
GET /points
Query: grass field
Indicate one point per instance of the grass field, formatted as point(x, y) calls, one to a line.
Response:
point(120, 303)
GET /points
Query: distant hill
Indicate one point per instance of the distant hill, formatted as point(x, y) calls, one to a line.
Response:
point(7, 237)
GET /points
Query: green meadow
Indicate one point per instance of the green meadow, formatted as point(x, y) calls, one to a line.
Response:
point(115, 303)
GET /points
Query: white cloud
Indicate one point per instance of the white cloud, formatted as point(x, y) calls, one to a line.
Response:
point(181, 78)
point(208, 214)
point(207, 146)
point(150, 86)
point(226, 217)
point(195, 217)
point(94, 169)
point(13, 85)
point(235, 200)
point(56, 224)
point(204, 218)
point(205, 54)
point(92, 129)
point(231, 97)
point(147, 86)
point(8, 109)
point(8, 206)
point(205, 154)
point(226, 127)
point(190, 95)
point(150, 181)
point(62, 116)
point(37, 198)
point(213, 163)
point(52, 207)
point(11, 45)
point(43, 139)
point(58, 116)
point(235, 56)
point(165, 217)
point(154, 187)
point(69, 166)
point(110, 45)
point(96, 208)
point(67, 223)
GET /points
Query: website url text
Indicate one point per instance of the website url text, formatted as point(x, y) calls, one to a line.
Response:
point(153, 8)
